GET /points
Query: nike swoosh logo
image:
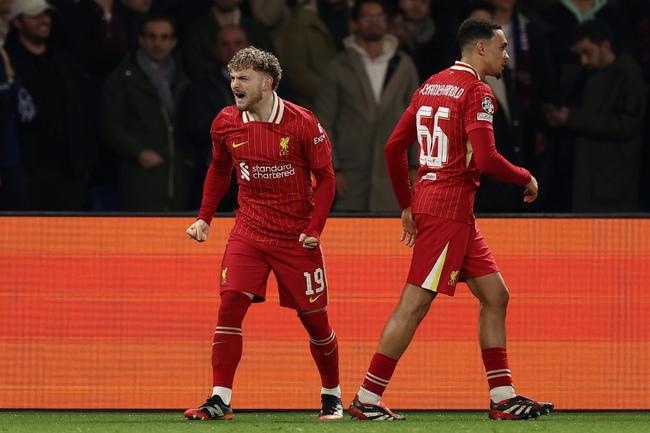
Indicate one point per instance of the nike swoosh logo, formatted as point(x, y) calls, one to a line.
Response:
point(312, 299)
point(235, 145)
point(331, 351)
point(217, 342)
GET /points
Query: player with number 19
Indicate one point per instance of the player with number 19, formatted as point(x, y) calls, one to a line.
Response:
point(450, 117)
point(275, 147)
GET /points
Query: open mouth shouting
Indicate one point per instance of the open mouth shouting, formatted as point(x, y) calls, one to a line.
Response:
point(240, 97)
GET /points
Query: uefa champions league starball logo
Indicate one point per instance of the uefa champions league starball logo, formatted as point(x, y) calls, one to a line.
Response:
point(488, 105)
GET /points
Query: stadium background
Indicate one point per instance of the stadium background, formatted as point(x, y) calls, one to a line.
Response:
point(116, 312)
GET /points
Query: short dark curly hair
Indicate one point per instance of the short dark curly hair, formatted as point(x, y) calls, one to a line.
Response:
point(257, 60)
point(473, 29)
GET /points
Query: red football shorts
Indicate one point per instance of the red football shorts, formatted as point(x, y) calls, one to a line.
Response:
point(446, 252)
point(300, 272)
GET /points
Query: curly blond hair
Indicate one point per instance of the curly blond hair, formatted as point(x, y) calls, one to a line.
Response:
point(257, 60)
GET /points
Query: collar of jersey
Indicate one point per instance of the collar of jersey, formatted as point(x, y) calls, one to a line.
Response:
point(462, 66)
point(276, 113)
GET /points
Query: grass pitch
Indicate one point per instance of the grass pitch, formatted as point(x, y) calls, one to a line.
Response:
point(304, 422)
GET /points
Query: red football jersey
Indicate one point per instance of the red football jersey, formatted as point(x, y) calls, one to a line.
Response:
point(273, 162)
point(447, 107)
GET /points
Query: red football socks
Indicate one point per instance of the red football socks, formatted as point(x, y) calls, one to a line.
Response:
point(324, 347)
point(495, 360)
point(379, 373)
point(227, 342)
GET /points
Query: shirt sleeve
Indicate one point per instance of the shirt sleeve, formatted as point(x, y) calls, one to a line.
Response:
point(318, 148)
point(490, 162)
point(323, 198)
point(396, 156)
point(479, 107)
point(318, 152)
point(217, 179)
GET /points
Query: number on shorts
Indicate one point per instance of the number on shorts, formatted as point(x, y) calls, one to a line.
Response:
point(318, 279)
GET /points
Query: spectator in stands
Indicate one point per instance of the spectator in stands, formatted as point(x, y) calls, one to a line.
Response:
point(13, 195)
point(139, 121)
point(564, 16)
point(480, 9)
point(527, 83)
point(637, 13)
point(99, 33)
point(55, 113)
point(5, 18)
point(140, 6)
point(268, 13)
point(602, 116)
point(365, 90)
point(183, 11)
point(311, 39)
point(272, 14)
point(430, 46)
point(198, 44)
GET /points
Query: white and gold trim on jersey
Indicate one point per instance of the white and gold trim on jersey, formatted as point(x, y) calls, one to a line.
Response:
point(432, 280)
point(277, 112)
point(462, 66)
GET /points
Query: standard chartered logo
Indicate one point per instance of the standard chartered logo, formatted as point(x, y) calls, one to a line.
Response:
point(266, 172)
point(243, 168)
point(273, 171)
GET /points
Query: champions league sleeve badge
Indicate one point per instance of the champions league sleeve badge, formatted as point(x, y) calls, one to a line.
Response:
point(488, 105)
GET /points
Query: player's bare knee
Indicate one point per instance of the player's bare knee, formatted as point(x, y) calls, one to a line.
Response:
point(411, 308)
point(412, 313)
point(498, 301)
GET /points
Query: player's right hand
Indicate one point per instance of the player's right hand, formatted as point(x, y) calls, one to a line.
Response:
point(530, 194)
point(409, 230)
point(198, 231)
point(309, 242)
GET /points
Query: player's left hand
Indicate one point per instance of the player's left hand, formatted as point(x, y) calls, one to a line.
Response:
point(531, 191)
point(309, 242)
point(409, 230)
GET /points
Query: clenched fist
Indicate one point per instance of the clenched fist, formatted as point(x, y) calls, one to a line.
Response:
point(198, 231)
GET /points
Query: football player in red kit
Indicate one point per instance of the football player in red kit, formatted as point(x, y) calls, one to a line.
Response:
point(450, 116)
point(275, 147)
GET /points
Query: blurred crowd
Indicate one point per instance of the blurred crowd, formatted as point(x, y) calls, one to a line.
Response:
point(106, 105)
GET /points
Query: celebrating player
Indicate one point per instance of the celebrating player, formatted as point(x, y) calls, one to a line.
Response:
point(275, 146)
point(450, 116)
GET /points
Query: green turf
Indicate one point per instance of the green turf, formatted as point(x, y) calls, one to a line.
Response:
point(303, 422)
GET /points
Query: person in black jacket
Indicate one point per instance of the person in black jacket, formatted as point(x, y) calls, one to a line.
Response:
point(140, 120)
point(55, 117)
point(599, 124)
point(12, 178)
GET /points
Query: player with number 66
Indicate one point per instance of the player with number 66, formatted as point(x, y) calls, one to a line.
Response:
point(450, 117)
